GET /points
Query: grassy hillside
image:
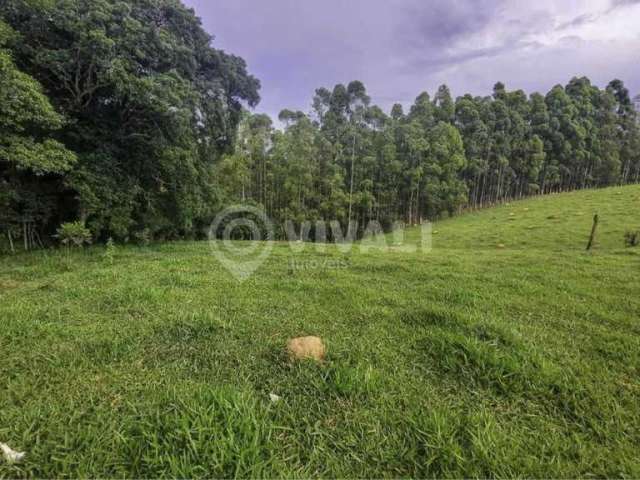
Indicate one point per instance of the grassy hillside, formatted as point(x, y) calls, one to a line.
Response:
point(558, 222)
point(474, 360)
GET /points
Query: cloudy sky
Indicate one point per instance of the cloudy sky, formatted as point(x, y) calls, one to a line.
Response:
point(400, 48)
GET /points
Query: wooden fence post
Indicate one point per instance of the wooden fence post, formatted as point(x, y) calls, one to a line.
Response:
point(593, 233)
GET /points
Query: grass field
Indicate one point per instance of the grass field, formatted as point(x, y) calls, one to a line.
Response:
point(474, 360)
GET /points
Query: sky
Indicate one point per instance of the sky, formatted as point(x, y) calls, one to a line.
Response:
point(400, 48)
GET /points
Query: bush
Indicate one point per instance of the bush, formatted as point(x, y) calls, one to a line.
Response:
point(110, 251)
point(143, 237)
point(74, 234)
point(632, 238)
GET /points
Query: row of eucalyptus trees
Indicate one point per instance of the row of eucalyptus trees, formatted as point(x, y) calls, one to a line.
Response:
point(348, 160)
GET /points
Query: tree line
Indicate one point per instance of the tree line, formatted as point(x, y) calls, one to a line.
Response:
point(121, 114)
point(348, 160)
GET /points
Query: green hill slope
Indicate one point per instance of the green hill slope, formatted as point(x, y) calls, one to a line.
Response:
point(472, 360)
point(552, 222)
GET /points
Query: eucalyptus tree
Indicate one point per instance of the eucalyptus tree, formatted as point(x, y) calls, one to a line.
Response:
point(475, 135)
point(499, 123)
point(357, 105)
point(444, 189)
point(628, 120)
point(296, 170)
point(444, 105)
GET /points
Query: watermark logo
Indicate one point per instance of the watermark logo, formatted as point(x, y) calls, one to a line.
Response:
point(241, 238)
point(297, 264)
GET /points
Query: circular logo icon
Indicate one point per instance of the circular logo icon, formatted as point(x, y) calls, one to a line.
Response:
point(241, 238)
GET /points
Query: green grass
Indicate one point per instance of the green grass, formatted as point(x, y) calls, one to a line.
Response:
point(472, 361)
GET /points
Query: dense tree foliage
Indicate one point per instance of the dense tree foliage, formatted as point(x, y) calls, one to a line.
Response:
point(139, 96)
point(348, 160)
point(121, 115)
point(31, 162)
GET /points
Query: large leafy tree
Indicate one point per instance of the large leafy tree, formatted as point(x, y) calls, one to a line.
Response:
point(151, 106)
point(32, 162)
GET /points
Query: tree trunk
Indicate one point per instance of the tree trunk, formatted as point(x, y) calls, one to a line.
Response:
point(37, 236)
point(353, 160)
point(25, 238)
point(13, 250)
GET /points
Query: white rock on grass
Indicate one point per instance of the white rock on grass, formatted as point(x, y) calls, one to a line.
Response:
point(274, 398)
point(10, 455)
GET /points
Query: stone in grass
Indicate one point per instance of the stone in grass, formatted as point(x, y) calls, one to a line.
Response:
point(501, 246)
point(303, 348)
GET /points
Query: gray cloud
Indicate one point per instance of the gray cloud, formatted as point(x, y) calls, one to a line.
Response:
point(623, 3)
point(441, 61)
point(444, 23)
point(442, 36)
point(579, 21)
point(587, 18)
point(399, 48)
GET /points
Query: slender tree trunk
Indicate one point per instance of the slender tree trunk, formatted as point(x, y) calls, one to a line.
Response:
point(37, 236)
point(264, 182)
point(476, 189)
point(410, 208)
point(418, 209)
point(32, 236)
point(353, 161)
point(13, 250)
point(24, 236)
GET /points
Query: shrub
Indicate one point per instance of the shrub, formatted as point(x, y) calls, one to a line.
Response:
point(632, 238)
point(143, 237)
point(110, 251)
point(74, 234)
